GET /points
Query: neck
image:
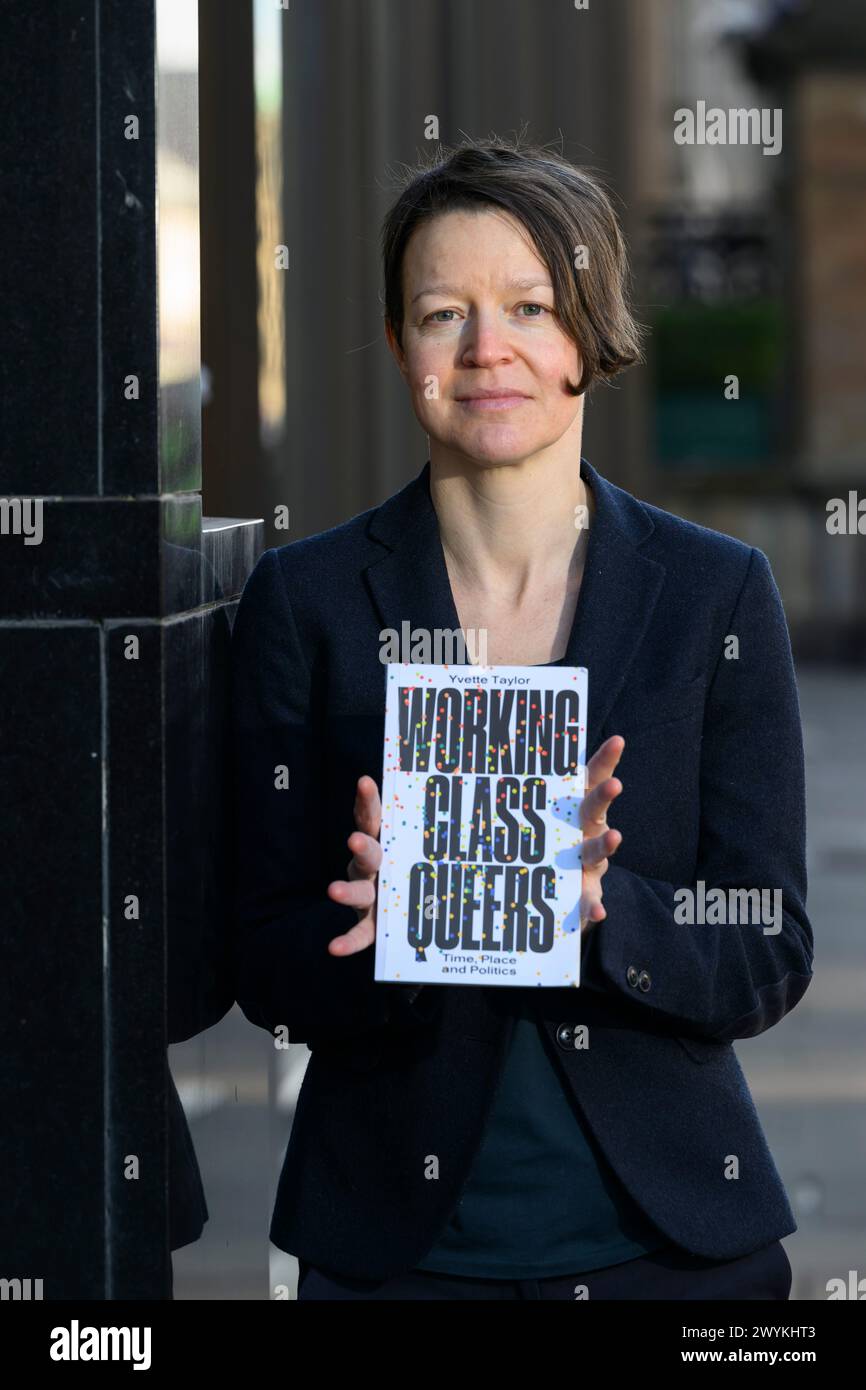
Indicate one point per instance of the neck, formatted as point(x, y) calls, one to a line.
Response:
point(509, 528)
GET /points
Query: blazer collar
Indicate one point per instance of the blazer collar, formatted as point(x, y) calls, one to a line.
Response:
point(618, 593)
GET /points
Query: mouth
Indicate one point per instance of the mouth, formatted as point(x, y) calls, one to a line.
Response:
point(505, 400)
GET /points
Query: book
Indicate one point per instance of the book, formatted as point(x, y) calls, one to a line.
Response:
point(484, 771)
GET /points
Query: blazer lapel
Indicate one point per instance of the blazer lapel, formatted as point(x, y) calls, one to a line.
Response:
point(410, 582)
point(618, 593)
point(619, 589)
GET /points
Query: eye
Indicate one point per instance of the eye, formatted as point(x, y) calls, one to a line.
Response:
point(439, 311)
point(543, 307)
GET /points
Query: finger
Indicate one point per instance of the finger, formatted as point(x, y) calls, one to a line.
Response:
point(596, 851)
point(591, 908)
point(604, 760)
point(595, 805)
point(360, 893)
point(368, 807)
point(357, 938)
point(366, 855)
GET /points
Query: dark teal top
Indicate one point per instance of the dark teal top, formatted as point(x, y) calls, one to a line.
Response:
point(540, 1198)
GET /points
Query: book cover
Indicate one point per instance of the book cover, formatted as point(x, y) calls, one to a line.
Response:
point(484, 771)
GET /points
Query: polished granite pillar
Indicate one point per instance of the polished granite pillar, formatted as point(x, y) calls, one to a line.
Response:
point(115, 607)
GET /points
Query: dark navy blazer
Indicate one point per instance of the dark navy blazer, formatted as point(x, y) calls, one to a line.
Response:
point(713, 784)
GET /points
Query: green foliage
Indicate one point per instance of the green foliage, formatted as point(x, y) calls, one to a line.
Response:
point(697, 345)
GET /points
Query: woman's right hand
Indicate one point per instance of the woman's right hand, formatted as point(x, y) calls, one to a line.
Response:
point(358, 890)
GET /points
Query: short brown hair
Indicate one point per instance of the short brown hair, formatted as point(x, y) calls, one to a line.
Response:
point(562, 207)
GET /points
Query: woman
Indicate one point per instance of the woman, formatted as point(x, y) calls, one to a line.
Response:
point(460, 1142)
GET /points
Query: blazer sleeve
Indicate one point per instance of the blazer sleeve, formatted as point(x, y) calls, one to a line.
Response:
point(721, 982)
point(284, 919)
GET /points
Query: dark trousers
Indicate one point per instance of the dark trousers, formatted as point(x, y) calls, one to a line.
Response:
point(665, 1274)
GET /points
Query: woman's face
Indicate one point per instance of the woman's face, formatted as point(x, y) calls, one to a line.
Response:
point(479, 316)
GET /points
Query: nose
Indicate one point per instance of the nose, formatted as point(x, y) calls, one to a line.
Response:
point(486, 341)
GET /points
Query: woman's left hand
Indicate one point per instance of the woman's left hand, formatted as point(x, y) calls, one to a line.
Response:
point(599, 841)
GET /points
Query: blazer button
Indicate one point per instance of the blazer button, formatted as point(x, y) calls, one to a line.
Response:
point(632, 976)
point(643, 981)
point(565, 1036)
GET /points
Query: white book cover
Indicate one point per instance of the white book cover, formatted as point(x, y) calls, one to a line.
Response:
point(484, 771)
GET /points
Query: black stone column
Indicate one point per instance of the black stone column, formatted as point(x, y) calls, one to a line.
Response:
point(115, 608)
